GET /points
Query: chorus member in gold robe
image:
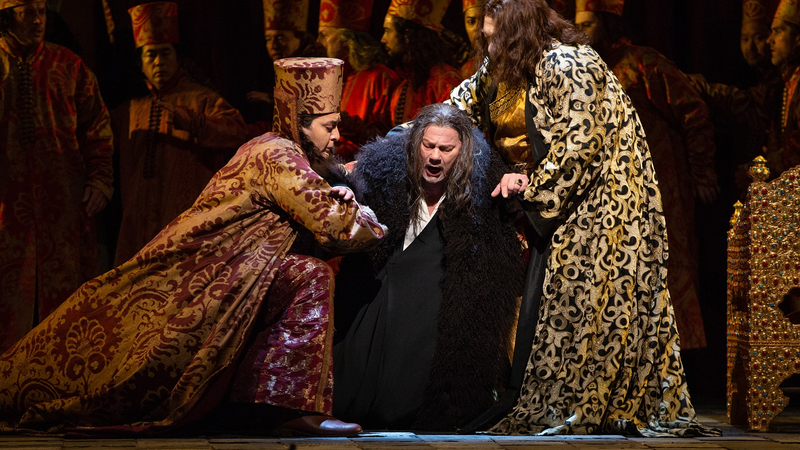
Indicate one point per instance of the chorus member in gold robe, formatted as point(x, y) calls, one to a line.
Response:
point(171, 142)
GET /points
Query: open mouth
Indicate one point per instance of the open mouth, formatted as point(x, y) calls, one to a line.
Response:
point(433, 171)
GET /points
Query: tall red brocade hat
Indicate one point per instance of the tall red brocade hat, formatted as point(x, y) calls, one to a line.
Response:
point(428, 13)
point(155, 23)
point(288, 15)
point(14, 3)
point(467, 4)
point(758, 11)
point(611, 6)
point(350, 14)
point(789, 10)
point(305, 86)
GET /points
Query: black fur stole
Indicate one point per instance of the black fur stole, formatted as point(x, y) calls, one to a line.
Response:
point(484, 277)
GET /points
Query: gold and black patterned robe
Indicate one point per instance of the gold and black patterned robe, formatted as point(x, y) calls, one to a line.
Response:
point(606, 352)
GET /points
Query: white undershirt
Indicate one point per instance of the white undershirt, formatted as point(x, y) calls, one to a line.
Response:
point(414, 230)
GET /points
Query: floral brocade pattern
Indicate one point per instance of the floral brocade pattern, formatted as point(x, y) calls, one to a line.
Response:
point(285, 15)
point(154, 23)
point(606, 355)
point(290, 363)
point(139, 346)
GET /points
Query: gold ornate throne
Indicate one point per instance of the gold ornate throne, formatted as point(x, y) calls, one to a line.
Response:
point(763, 277)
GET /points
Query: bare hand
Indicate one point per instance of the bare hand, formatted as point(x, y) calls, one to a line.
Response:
point(342, 192)
point(94, 199)
point(181, 115)
point(706, 194)
point(258, 96)
point(511, 184)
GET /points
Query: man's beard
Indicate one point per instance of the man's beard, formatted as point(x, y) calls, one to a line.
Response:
point(324, 164)
point(396, 59)
point(314, 154)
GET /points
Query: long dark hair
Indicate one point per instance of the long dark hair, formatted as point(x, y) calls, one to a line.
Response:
point(6, 20)
point(523, 31)
point(458, 188)
point(794, 55)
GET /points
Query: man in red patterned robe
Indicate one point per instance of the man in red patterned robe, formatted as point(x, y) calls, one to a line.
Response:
point(411, 37)
point(368, 86)
point(219, 304)
point(681, 138)
point(55, 170)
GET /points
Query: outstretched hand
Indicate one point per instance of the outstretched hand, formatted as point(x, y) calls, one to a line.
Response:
point(707, 193)
point(181, 115)
point(511, 184)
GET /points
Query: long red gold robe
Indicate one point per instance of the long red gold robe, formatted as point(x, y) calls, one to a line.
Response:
point(55, 140)
point(163, 168)
point(143, 345)
point(681, 139)
point(407, 101)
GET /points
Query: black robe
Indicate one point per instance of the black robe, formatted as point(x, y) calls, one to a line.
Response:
point(423, 335)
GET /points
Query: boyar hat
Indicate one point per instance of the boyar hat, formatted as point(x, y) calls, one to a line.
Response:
point(155, 23)
point(789, 11)
point(305, 86)
point(4, 4)
point(428, 13)
point(351, 14)
point(467, 4)
point(610, 6)
point(758, 11)
point(288, 15)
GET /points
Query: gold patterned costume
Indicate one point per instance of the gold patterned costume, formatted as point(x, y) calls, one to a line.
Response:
point(155, 342)
point(606, 354)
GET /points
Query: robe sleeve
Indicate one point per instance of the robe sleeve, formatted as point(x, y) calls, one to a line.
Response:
point(95, 138)
point(745, 106)
point(674, 96)
point(470, 95)
point(217, 124)
point(337, 225)
point(573, 95)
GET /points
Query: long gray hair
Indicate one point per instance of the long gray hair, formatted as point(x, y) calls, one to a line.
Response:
point(458, 186)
